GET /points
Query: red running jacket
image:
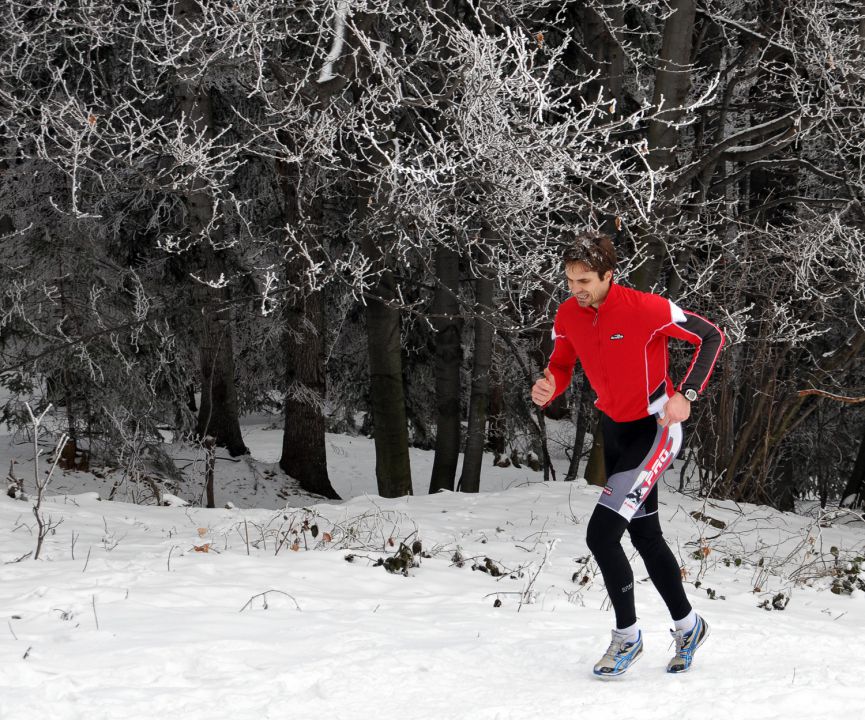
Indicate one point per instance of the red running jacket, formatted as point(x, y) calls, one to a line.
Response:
point(622, 347)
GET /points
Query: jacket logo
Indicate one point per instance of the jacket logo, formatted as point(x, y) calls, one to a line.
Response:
point(617, 336)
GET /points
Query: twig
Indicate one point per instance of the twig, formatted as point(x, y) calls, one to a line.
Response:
point(9, 623)
point(264, 596)
point(95, 616)
point(84, 569)
point(832, 396)
point(570, 508)
point(44, 527)
point(210, 465)
point(282, 536)
point(503, 592)
point(527, 595)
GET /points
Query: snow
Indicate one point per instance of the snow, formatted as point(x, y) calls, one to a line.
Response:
point(124, 618)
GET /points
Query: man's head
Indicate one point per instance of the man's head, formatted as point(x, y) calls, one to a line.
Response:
point(589, 259)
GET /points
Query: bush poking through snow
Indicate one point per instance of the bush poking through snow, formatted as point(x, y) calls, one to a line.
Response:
point(488, 566)
point(15, 485)
point(778, 602)
point(849, 576)
point(400, 562)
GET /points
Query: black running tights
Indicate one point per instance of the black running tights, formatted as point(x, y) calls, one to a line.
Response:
point(604, 536)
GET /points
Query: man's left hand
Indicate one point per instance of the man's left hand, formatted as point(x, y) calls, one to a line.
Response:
point(677, 409)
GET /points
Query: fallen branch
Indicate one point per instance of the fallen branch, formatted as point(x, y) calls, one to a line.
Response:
point(832, 396)
point(263, 595)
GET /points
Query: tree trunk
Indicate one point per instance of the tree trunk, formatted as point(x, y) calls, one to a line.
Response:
point(672, 82)
point(855, 489)
point(448, 361)
point(496, 438)
point(304, 451)
point(386, 391)
point(470, 479)
point(387, 396)
point(605, 49)
point(374, 218)
point(582, 411)
point(218, 415)
point(784, 486)
point(558, 408)
point(304, 455)
point(596, 473)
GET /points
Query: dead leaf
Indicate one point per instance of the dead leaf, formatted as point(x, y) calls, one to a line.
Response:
point(540, 38)
point(714, 522)
point(327, 537)
point(295, 546)
point(618, 224)
point(202, 548)
point(390, 542)
point(91, 120)
point(202, 532)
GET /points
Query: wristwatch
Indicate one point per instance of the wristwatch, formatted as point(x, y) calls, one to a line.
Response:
point(690, 394)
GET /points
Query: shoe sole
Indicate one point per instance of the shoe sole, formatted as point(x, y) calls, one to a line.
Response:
point(613, 676)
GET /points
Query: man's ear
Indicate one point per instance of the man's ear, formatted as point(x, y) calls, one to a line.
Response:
point(608, 276)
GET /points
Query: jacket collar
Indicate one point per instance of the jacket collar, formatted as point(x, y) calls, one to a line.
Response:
point(612, 299)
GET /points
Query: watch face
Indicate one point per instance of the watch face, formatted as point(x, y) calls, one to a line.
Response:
point(691, 395)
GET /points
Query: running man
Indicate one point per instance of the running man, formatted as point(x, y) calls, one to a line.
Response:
point(619, 335)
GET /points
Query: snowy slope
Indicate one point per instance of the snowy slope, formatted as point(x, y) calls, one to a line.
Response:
point(124, 618)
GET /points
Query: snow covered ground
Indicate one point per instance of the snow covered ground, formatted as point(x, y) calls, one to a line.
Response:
point(280, 607)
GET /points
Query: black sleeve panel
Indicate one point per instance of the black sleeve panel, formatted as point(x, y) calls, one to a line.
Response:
point(709, 340)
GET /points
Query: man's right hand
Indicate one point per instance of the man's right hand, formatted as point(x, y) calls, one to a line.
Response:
point(544, 388)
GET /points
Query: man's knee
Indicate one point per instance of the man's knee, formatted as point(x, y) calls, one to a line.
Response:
point(648, 542)
point(594, 537)
point(604, 531)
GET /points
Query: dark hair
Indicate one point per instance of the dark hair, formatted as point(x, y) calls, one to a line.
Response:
point(590, 248)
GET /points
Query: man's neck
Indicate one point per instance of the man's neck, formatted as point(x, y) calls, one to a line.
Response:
point(600, 302)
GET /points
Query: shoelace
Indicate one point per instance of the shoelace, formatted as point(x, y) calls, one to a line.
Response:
point(679, 639)
point(617, 645)
point(683, 652)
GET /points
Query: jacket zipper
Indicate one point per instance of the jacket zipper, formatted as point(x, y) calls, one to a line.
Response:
point(596, 323)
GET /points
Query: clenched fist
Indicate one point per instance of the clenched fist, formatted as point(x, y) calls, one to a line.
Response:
point(544, 388)
point(677, 409)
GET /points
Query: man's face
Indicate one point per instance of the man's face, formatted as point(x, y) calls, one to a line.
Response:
point(586, 286)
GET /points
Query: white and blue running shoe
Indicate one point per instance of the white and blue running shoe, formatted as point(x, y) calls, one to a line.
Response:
point(686, 645)
point(621, 654)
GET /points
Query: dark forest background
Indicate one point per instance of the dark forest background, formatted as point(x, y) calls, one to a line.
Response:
point(350, 212)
